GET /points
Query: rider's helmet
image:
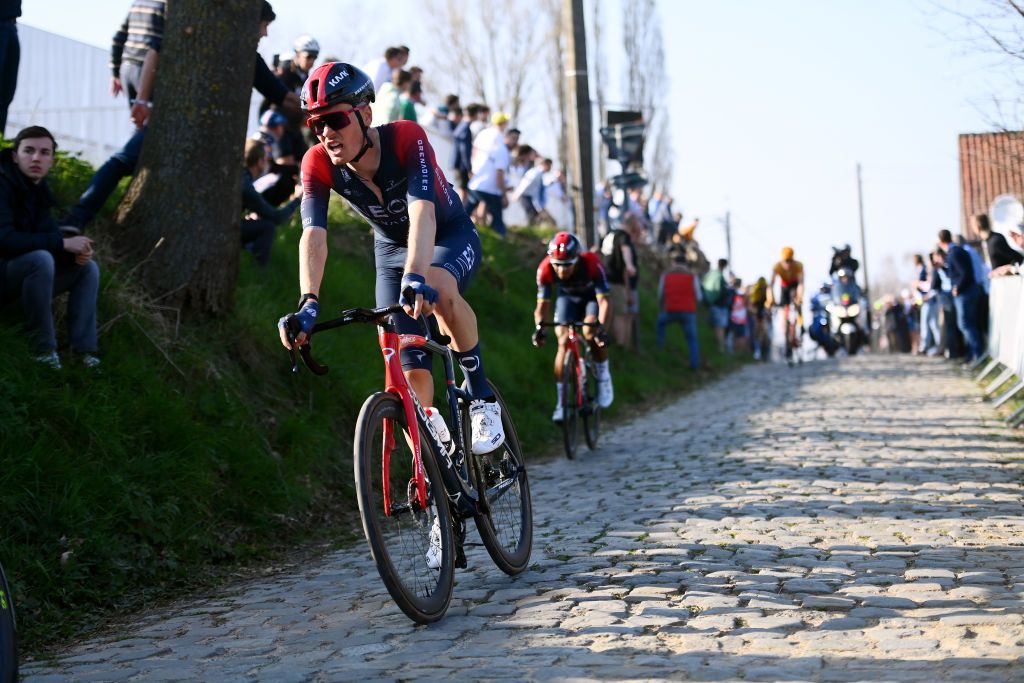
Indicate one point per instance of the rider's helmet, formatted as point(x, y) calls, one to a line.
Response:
point(336, 83)
point(787, 253)
point(306, 43)
point(563, 249)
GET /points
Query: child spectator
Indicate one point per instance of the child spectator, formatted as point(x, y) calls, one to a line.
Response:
point(259, 226)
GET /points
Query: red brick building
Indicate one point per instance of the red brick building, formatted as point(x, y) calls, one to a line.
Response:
point(991, 164)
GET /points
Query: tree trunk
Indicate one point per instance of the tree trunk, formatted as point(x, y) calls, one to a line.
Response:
point(187, 186)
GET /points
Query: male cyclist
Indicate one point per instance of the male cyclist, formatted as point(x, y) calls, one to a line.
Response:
point(790, 274)
point(582, 297)
point(423, 239)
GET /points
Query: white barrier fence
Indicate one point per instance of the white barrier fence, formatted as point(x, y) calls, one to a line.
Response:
point(1006, 339)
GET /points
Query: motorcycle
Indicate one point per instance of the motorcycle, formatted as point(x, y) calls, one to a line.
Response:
point(845, 312)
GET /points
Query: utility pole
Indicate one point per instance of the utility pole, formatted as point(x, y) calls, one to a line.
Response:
point(581, 161)
point(864, 252)
point(728, 239)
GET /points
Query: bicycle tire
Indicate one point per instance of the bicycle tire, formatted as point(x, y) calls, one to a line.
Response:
point(591, 408)
point(8, 633)
point(570, 407)
point(506, 524)
point(399, 542)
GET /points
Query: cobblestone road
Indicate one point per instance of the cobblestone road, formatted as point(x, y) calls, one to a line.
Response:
point(858, 520)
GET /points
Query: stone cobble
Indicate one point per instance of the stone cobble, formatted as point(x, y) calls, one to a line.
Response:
point(839, 521)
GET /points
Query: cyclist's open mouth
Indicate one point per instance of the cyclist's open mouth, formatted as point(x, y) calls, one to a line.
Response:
point(333, 147)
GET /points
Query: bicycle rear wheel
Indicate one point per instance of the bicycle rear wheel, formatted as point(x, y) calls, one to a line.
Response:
point(506, 523)
point(8, 634)
point(591, 408)
point(400, 538)
point(570, 405)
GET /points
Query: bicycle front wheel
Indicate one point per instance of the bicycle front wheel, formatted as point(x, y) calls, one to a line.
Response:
point(506, 520)
point(8, 634)
point(570, 405)
point(412, 545)
point(591, 408)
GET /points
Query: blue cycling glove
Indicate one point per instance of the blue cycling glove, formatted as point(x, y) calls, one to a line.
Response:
point(305, 317)
point(418, 285)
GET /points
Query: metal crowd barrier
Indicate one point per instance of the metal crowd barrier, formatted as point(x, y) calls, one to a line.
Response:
point(1006, 341)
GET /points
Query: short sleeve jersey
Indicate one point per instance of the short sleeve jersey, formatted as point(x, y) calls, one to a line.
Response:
point(587, 278)
point(791, 274)
point(407, 171)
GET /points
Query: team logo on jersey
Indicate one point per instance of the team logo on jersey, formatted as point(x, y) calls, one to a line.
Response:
point(466, 259)
point(397, 206)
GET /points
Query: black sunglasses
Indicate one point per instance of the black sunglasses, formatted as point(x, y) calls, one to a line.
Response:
point(337, 120)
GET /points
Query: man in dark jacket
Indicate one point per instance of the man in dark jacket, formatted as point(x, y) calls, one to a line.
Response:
point(36, 262)
point(998, 251)
point(462, 151)
point(965, 293)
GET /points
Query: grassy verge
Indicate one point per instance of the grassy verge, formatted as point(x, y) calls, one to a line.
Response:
point(195, 448)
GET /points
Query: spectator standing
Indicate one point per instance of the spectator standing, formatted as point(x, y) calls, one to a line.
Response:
point(716, 295)
point(965, 293)
point(620, 265)
point(260, 225)
point(387, 106)
point(491, 160)
point(462, 152)
point(293, 73)
point(408, 99)
point(529, 191)
point(678, 294)
point(36, 262)
point(738, 317)
point(479, 125)
point(998, 251)
point(123, 163)
point(928, 287)
point(383, 69)
point(757, 297)
point(10, 56)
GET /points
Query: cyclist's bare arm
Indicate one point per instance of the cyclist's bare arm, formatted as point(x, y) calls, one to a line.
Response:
point(604, 305)
point(422, 232)
point(769, 299)
point(540, 313)
point(312, 259)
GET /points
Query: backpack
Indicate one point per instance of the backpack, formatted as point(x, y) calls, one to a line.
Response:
point(715, 291)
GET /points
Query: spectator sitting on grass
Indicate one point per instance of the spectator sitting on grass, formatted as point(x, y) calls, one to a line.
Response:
point(36, 261)
point(259, 226)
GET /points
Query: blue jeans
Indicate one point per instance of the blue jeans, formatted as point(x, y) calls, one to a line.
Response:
point(966, 304)
point(689, 324)
point(105, 181)
point(493, 204)
point(10, 58)
point(931, 335)
point(37, 279)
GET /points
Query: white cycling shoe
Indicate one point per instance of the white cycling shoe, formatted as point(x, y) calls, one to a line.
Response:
point(485, 426)
point(558, 415)
point(434, 550)
point(605, 392)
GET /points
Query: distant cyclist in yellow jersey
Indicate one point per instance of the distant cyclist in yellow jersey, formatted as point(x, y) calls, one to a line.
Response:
point(790, 273)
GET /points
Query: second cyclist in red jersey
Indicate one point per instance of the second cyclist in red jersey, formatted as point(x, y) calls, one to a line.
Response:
point(582, 297)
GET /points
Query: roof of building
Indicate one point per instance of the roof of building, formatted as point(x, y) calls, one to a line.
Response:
point(991, 164)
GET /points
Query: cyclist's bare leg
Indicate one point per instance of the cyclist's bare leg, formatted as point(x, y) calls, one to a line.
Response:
point(562, 333)
point(600, 353)
point(456, 318)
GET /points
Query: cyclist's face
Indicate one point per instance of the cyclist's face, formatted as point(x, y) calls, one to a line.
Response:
point(564, 270)
point(339, 131)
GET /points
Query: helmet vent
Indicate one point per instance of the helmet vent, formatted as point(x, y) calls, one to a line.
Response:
point(314, 87)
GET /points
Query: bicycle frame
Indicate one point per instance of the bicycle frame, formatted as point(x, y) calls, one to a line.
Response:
point(572, 344)
point(462, 494)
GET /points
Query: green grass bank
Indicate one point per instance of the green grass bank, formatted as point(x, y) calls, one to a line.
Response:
point(196, 450)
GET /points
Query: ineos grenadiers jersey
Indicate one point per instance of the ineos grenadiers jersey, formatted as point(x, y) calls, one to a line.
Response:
point(587, 278)
point(407, 171)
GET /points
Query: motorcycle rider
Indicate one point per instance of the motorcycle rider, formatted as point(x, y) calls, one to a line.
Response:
point(819, 329)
